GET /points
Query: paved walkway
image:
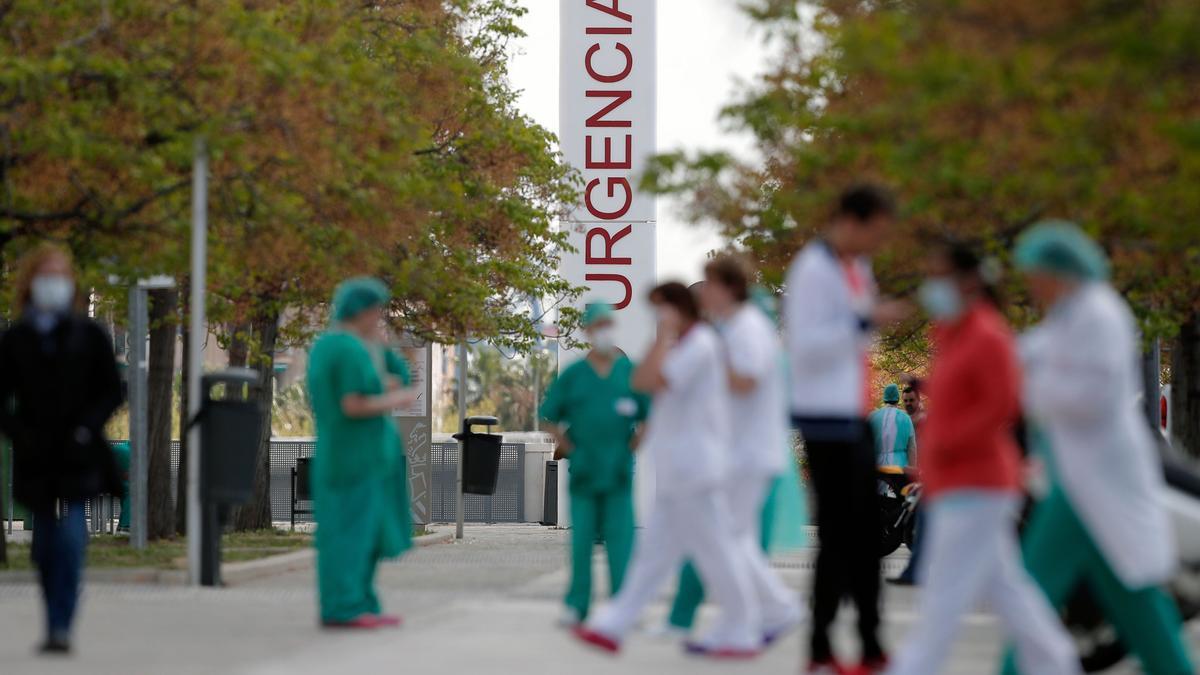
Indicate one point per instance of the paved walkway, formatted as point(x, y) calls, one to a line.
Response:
point(484, 605)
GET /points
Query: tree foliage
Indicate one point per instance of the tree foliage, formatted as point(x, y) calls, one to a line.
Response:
point(984, 117)
point(344, 137)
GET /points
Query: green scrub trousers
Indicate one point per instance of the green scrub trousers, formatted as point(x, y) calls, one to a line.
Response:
point(607, 516)
point(1060, 554)
point(690, 594)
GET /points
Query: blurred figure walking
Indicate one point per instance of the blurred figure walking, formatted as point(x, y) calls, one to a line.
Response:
point(971, 467)
point(753, 356)
point(1104, 522)
point(593, 414)
point(687, 437)
point(915, 407)
point(895, 437)
point(360, 471)
point(59, 385)
point(830, 313)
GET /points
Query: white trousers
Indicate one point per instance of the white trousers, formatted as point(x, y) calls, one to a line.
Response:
point(692, 527)
point(972, 555)
point(746, 496)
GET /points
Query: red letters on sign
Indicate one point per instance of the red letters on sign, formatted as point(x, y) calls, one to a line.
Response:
point(608, 167)
point(619, 97)
point(611, 10)
point(612, 183)
point(609, 239)
point(608, 162)
point(620, 278)
point(587, 64)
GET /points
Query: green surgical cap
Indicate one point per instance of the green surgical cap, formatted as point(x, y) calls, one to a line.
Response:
point(354, 296)
point(765, 301)
point(1062, 249)
point(595, 312)
point(891, 394)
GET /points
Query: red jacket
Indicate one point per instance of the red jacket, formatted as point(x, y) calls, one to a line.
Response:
point(974, 401)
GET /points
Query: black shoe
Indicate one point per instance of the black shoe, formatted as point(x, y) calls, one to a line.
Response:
point(902, 581)
point(55, 647)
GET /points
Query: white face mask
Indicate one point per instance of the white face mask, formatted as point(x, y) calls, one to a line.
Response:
point(941, 299)
point(52, 293)
point(604, 339)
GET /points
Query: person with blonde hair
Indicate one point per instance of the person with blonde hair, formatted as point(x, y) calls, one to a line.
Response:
point(59, 385)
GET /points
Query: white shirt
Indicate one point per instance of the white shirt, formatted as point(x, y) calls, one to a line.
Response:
point(1082, 377)
point(760, 417)
point(688, 432)
point(826, 340)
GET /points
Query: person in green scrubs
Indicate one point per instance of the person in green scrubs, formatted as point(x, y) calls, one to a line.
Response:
point(360, 472)
point(122, 452)
point(593, 413)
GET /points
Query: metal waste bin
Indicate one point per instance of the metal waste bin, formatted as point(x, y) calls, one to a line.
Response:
point(230, 426)
point(231, 423)
point(550, 496)
point(480, 456)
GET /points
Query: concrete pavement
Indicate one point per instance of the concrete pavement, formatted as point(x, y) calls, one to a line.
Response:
point(483, 605)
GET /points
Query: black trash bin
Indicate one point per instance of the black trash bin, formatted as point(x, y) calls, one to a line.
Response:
point(480, 457)
point(231, 423)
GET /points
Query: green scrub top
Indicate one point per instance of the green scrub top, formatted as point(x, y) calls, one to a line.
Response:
point(600, 416)
point(351, 449)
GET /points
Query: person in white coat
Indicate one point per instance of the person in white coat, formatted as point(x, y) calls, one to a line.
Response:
point(1104, 521)
point(687, 438)
point(753, 353)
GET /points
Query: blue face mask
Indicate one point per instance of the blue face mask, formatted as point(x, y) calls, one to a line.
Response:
point(941, 299)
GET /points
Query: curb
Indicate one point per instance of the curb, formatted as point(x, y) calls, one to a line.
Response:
point(232, 574)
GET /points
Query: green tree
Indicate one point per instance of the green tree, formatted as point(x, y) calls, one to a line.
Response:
point(984, 117)
point(345, 138)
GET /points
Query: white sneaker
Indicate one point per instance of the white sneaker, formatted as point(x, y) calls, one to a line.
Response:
point(780, 626)
point(569, 618)
point(666, 632)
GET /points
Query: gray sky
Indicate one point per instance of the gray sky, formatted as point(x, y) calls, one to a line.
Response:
point(704, 48)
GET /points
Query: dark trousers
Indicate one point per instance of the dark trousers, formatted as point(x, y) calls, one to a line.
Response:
point(843, 475)
point(914, 563)
point(59, 543)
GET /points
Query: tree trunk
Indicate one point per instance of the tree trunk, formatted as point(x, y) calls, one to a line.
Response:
point(4, 449)
point(256, 515)
point(181, 483)
point(1185, 387)
point(160, 409)
point(239, 346)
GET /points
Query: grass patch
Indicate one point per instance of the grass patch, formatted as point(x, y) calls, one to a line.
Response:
point(114, 551)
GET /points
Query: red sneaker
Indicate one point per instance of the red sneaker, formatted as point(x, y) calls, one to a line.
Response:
point(364, 622)
point(597, 640)
point(388, 620)
point(829, 668)
point(875, 666)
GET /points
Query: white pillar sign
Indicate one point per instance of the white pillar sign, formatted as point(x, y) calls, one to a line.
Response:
point(607, 131)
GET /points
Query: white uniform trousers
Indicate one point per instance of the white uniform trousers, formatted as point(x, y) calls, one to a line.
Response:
point(696, 527)
point(973, 556)
point(747, 495)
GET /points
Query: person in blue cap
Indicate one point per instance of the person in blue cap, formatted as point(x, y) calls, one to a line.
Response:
point(360, 471)
point(593, 414)
point(895, 437)
point(1104, 522)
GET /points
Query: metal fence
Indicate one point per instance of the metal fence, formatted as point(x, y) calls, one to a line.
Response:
point(506, 506)
point(284, 453)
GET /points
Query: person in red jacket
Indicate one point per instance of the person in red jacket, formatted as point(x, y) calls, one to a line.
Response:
point(971, 468)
